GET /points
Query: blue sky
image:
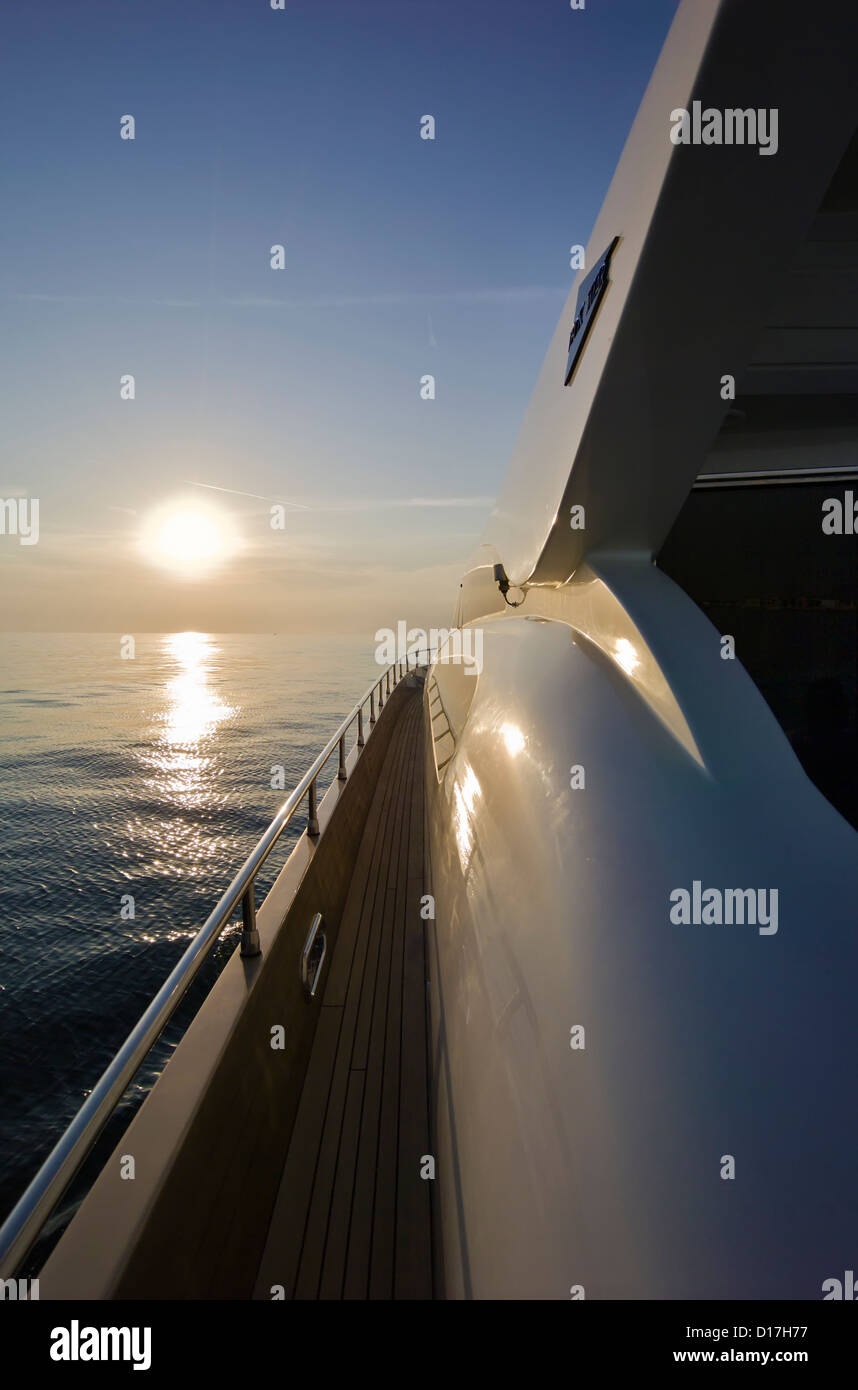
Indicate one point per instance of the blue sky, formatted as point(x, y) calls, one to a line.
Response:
point(403, 257)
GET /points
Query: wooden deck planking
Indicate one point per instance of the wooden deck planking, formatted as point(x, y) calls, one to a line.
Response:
point(282, 1255)
point(384, 1213)
point(413, 1264)
point(366, 869)
point(368, 1233)
point(336, 1246)
point(362, 973)
point(355, 1051)
point(348, 1221)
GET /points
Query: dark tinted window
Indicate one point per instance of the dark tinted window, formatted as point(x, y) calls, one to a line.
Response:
point(757, 561)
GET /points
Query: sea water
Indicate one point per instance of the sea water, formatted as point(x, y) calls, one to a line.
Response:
point(131, 790)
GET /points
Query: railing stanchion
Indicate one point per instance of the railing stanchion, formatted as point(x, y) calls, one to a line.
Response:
point(381, 695)
point(360, 737)
point(372, 708)
point(312, 818)
point(249, 935)
point(341, 770)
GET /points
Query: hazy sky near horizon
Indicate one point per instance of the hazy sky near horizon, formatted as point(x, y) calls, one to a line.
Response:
point(403, 257)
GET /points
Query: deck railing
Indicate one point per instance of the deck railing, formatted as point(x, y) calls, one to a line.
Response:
point(27, 1218)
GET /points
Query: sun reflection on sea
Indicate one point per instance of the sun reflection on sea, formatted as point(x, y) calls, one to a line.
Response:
point(183, 763)
point(195, 709)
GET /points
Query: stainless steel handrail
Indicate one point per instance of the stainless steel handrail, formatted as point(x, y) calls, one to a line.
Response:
point(21, 1228)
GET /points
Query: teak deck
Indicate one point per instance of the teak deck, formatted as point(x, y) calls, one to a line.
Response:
point(352, 1217)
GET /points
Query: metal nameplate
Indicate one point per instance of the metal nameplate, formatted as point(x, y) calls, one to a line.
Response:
point(590, 295)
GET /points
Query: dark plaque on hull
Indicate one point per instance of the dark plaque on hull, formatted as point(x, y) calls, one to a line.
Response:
point(589, 298)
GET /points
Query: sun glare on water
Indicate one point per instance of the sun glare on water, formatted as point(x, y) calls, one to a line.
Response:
point(187, 539)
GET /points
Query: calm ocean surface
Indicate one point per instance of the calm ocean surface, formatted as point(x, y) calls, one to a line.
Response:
point(149, 777)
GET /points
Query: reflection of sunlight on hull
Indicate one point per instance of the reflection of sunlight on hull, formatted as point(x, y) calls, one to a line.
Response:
point(513, 738)
point(466, 789)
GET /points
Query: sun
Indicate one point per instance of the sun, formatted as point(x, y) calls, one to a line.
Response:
point(188, 539)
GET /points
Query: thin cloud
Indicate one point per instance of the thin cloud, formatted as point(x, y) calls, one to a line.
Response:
point(507, 294)
point(510, 294)
point(33, 298)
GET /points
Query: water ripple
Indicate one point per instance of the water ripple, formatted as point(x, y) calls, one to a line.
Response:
point(130, 792)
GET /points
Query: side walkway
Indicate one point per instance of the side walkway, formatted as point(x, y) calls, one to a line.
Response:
point(352, 1217)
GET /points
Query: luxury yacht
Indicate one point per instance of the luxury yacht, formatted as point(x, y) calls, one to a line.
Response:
point(555, 995)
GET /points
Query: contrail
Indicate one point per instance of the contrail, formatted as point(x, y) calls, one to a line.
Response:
point(365, 504)
point(255, 495)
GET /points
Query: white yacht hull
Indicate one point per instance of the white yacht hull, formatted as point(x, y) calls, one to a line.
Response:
point(601, 1170)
